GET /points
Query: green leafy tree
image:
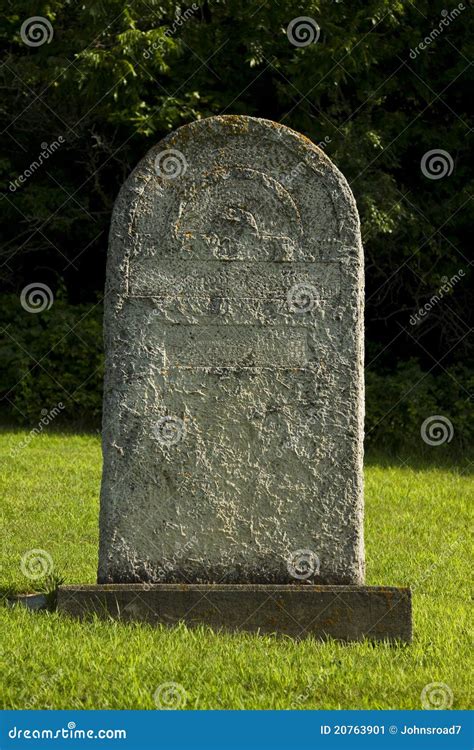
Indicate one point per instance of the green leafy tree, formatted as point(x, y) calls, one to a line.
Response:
point(115, 77)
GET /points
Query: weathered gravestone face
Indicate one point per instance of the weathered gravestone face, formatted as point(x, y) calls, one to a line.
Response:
point(233, 410)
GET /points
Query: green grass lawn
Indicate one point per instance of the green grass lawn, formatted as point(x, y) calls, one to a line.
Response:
point(417, 522)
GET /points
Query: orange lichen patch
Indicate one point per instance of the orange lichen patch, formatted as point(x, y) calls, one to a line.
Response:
point(216, 172)
point(236, 122)
point(236, 125)
point(331, 621)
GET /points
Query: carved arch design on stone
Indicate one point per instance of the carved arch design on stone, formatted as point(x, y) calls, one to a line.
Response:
point(235, 208)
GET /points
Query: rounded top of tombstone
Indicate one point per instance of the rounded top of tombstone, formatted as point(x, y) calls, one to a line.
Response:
point(237, 125)
point(269, 148)
point(216, 130)
point(234, 187)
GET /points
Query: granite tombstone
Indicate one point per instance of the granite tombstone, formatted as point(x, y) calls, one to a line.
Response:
point(234, 401)
point(233, 409)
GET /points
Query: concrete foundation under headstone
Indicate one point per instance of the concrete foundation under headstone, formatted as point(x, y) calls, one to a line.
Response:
point(348, 613)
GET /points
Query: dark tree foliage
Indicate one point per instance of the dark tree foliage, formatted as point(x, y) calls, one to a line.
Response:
point(116, 77)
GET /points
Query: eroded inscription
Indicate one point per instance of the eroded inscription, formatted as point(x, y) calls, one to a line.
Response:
point(234, 395)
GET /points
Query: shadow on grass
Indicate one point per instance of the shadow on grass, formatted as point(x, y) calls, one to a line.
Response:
point(415, 457)
point(433, 457)
point(46, 588)
point(54, 429)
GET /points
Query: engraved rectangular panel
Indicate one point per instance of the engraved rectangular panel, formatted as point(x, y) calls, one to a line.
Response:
point(234, 346)
point(231, 279)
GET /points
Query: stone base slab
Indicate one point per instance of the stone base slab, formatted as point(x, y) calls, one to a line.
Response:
point(348, 613)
